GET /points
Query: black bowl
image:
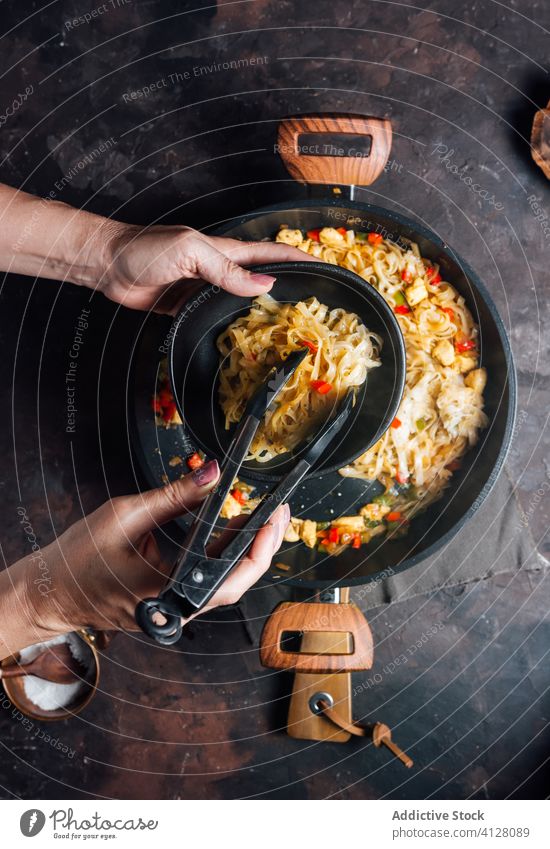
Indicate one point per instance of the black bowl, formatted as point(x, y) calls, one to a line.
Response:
point(194, 363)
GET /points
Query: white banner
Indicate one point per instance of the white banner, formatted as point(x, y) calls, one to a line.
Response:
point(269, 824)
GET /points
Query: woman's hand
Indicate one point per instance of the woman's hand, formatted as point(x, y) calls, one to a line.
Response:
point(145, 267)
point(104, 564)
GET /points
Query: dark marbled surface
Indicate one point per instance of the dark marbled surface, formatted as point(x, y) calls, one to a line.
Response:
point(473, 705)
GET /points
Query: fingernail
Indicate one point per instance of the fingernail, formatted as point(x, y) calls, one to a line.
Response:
point(206, 474)
point(262, 279)
point(279, 522)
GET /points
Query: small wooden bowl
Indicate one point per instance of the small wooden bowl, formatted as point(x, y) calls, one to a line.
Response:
point(15, 690)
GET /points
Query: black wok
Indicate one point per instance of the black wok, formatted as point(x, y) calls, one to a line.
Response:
point(331, 495)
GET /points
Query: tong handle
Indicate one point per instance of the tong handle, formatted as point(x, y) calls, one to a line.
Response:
point(166, 634)
point(260, 402)
point(203, 577)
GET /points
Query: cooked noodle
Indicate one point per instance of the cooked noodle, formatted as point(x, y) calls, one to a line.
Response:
point(342, 351)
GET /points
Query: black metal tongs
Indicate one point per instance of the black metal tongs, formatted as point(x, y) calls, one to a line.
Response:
point(196, 576)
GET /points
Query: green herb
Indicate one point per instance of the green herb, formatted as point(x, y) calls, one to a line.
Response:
point(386, 499)
point(420, 424)
point(322, 526)
point(399, 299)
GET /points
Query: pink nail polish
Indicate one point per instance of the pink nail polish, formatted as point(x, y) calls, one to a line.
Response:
point(206, 474)
point(262, 279)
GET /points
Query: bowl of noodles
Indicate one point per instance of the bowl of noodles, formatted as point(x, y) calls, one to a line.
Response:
point(224, 346)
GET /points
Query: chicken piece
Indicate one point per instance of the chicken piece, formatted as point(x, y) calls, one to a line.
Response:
point(374, 512)
point(444, 352)
point(476, 379)
point(231, 508)
point(290, 237)
point(353, 524)
point(417, 292)
point(308, 533)
point(330, 236)
point(292, 533)
point(463, 363)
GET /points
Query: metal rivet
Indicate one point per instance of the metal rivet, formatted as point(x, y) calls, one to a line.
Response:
point(197, 576)
point(314, 702)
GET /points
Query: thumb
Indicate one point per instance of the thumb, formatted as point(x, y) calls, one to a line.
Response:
point(158, 506)
point(214, 267)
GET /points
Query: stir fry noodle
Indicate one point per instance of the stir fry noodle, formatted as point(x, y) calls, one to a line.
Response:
point(341, 353)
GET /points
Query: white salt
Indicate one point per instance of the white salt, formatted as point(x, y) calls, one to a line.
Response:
point(48, 695)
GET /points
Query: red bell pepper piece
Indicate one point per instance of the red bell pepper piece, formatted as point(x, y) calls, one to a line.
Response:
point(400, 478)
point(396, 423)
point(239, 496)
point(321, 386)
point(165, 397)
point(394, 516)
point(333, 535)
point(313, 235)
point(307, 344)
point(465, 345)
point(434, 277)
point(406, 275)
point(356, 541)
point(374, 238)
point(402, 309)
point(342, 231)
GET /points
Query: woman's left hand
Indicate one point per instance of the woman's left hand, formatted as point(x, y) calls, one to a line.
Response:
point(102, 566)
point(146, 268)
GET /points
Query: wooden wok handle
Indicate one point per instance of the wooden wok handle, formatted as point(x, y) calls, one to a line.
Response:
point(336, 621)
point(339, 150)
